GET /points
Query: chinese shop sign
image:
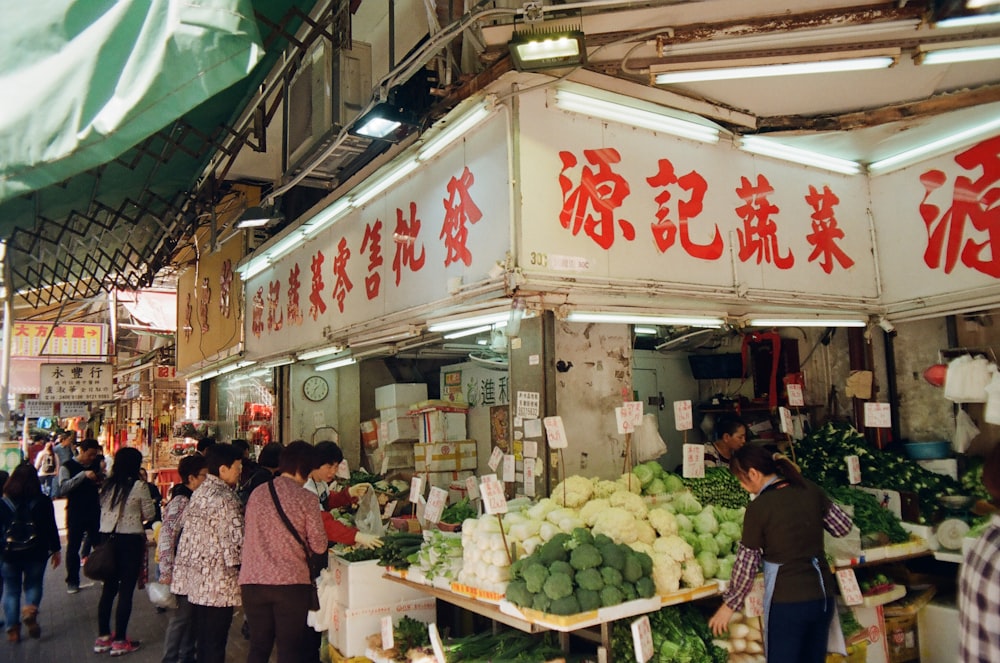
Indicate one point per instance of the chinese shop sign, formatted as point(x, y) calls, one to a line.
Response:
point(76, 382)
point(40, 339)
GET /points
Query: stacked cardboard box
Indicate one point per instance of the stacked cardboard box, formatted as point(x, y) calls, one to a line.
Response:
point(397, 430)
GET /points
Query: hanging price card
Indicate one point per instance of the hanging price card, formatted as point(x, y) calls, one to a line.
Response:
point(795, 398)
point(555, 432)
point(387, 635)
point(629, 416)
point(853, 469)
point(385, 464)
point(694, 461)
point(753, 605)
point(787, 426)
point(436, 645)
point(390, 508)
point(495, 458)
point(416, 489)
point(344, 470)
point(642, 639)
point(529, 477)
point(849, 589)
point(509, 467)
point(878, 415)
point(472, 488)
point(494, 500)
point(436, 501)
point(683, 418)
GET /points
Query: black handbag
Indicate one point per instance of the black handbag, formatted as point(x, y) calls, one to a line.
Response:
point(316, 562)
point(101, 564)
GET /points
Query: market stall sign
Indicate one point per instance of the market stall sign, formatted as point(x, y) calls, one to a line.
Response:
point(43, 339)
point(76, 382)
point(35, 409)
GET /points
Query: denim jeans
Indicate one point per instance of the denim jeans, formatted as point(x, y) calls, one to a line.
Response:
point(21, 575)
point(179, 640)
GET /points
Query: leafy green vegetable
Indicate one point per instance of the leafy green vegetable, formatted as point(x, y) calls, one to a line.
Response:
point(456, 513)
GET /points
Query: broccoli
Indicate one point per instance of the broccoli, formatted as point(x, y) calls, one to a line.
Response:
point(567, 605)
point(555, 548)
point(629, 591)
point(590, 579)
point(644, 586)
point(612, 577)
point(557, 586)
point(612, 555)
point(633, 567)
point(541, 602)
point(601, 540)
point(611, 595)
point(582, 535)
point(565, 568)
point(518, 594)
point(585, 556)
point(534, 575)
point(588, 599)
point(646, 562)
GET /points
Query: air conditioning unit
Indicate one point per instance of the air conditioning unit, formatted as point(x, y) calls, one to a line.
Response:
point(329, 89)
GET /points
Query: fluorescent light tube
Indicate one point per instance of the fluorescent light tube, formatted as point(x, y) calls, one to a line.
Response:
point(281, 361)
point(389, 336)
point(645, 331)
point(254, 267)
point(952, 55)
point(638, 319)
point(327, 217)
point(968, 21)
point(765, 70)
point(320, 352)
point(336, 363)
point(464, 323)
point(451, 133)
point(625, 114)
point(807, 322)
point(384, 181)
point(285, 245)
point(468, 332)
point(933, 148)
point(771, 148)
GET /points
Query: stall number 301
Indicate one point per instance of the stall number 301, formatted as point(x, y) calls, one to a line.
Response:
point(539, 259)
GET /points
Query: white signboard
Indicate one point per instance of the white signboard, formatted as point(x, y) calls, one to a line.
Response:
point(76, 382)
point(472, 488)
point(853, 469)
point(529, 477)
point(850, 591)
point(494, 501)
point(556, 432)
point(437, 498)
point(642, 639)
point(878, 415)
point(74, 409)
point(509, 465)
point(33, 409)
point(795, 398)
point(528, 404)
point(495, 458)
point(629, 416)
point(785, 416)
point(694, 461)
point(683, 417)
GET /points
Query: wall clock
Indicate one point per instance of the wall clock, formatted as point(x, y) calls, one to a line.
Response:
point(315, 388)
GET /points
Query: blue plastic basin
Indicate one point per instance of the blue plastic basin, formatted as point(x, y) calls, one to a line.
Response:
point(928, 450)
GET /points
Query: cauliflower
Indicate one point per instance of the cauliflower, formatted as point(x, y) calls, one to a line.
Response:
point(574, 491)
point(674, 546)
point(642, 546)
point(645, 532)
point(630, 482)
point(664, 522)
point(630, 502)
point(592, 509)
point(604, 488)
point(617, 524)
point(666, 573)
point(691, 574)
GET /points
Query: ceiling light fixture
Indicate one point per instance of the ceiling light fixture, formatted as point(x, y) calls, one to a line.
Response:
point(775, 65)
point(256, 217)
point(320, 352)
point(968, 20)
point(384, 180)
point(452, 130)
point(279, 361)
point(625, 113)
point(771, 148)
point(468, 332)
point(934, 148)
point(927, 56)
point(336, 363)
point(388, 336)
point(385, 121)
point(465, 323)
point(533, 50)
point(643, 319)
point(644, 331)
point(807, 322)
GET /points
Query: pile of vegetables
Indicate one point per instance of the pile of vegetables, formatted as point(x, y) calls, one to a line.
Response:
point(440, 555)
point(485, 558)
point(680, 634)
point(579, 572)
point(398, 548)
point(869, 516)
point(458, 512)
point(821, 456)
point(744, 640)
point(719, 487)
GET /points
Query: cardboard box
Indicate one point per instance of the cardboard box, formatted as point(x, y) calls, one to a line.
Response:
point(393, 413)
point(438, 426)
point(349, 628)
point(445, 479)
point(399, 395)
point(361, 585)
point(395, 456)
point(401, 429)
point(901, 637)
point(445, 456)
point(873, 624)
point(369, 433)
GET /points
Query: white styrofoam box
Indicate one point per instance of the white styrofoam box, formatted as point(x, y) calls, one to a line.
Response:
point(400, 456)
point(361, 585)
point(399, 429)
point(402, 394)
point(391, 413)
point(350, 627)
point(445, 456)
point(937, 625)
point(945, 466)
point(438, 426)
point(925, 532)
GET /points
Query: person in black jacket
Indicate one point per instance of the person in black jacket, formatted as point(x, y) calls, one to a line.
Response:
point(78, 483)
point(28, 517)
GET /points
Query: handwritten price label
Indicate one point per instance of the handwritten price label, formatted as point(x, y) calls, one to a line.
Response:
point(472, 488)
point(795, 398)
point(436, 501)
point(495, 458)
point(555, 432)
point(416, 489)
point(753, 606)
point(642, 639)
point(529, 477)
point(494, 501)
point(508, 467)
point(694, 461)
point(849, 589)
point(388, 642)
point(787, 425)
point(853, 469)
point(878, 415)
point(629, 416)
point(683, 417)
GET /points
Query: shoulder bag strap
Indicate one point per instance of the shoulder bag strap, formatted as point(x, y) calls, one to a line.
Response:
point(284, 518)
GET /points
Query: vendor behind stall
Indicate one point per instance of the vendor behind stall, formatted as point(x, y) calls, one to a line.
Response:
point(731, 434)
point(328, 459)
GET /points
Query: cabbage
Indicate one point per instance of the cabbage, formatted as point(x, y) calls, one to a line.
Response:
point(725, 567)
point(685, 502)
point(673, 483)
point(709, 564)
point(707, 543)
point(705, 522)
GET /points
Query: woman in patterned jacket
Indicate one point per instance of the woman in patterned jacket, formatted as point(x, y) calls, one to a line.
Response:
point(207, 563)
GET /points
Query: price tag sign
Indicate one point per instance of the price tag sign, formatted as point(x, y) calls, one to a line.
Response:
point(849, 588)
point(388, 641)
point(529, 477)
point(878, 415)
point(495, 458)
point(629, 416)
point(416, 489)
point(472, 488)
point(555, 432)
point(753, 605)
point(436, 501)
point(530, 449)
point(795, 398)
point(683, 417)
point(508, 467)
point(436, 645)
point(642, 639)
point(494, 501)
point(390, 508)
point(787, 425)
point(694, 461)
point(853, 469)
point(344, 470)
point(383, 432)
point(385, 463)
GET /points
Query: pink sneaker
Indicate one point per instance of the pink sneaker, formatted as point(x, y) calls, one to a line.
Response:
point(102, 644)
point(122, 647)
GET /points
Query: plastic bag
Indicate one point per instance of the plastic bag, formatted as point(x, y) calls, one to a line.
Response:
point(965, 431)
point(648, 443)
point(160, 595)
point(368, 519)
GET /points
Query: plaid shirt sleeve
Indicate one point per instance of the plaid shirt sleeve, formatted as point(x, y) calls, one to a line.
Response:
point(836, 521)
point(745, 569)
point(979, 599)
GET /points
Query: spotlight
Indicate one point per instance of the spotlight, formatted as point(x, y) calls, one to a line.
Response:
point(537, 49)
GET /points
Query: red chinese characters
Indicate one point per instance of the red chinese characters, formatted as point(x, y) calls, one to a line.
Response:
point(665, 230)
point(759, 235)
point(275, 317)
point(316, 304)
point(454, 231)
point(405, 238)
point(974, 203)
point(343, 284)
point(372, 244)
point(825, 232)
point(294, 310)
point(590, 205)
point(257, 317)
point(225, 287)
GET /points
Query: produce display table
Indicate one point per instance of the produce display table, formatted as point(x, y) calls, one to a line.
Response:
point(898, 552)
